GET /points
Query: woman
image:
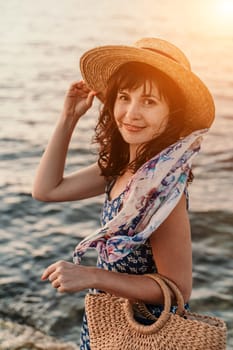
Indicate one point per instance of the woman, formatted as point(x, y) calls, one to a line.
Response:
point(151, 102)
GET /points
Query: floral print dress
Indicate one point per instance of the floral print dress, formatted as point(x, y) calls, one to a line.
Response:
point(139, 262)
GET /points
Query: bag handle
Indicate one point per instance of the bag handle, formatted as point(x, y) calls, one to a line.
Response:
point(156, 326)
point(173, 287)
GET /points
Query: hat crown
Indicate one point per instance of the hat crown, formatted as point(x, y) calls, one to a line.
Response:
point(164, 48)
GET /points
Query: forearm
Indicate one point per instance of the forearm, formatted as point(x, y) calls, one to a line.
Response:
point(51, 167)
point(71, 278)
point(133, 287)
point(50, 172)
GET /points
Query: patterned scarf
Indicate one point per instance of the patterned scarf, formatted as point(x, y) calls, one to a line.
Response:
point(150, 196)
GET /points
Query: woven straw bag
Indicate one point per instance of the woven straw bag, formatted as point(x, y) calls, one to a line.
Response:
point(112, 325)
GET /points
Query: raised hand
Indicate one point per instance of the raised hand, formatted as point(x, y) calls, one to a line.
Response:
point(78, 100)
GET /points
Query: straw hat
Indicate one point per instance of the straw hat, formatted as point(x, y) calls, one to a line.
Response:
point(98, 64)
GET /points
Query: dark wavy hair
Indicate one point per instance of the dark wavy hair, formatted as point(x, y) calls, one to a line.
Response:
point(113, 150)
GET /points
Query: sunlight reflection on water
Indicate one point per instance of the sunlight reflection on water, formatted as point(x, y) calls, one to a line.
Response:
point(40, 46)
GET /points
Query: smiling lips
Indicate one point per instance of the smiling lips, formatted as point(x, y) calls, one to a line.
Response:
point(132, 128)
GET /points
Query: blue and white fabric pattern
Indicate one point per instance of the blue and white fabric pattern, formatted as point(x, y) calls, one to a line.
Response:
point(150, 196)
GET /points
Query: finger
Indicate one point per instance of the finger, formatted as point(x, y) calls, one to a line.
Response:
point(78, 91)
point(77, 83)
point(61, 289)
point(75, 86)
point(77, 94)
point(81, 85)
point(56, 284)
point(86, 88)
point(90, 98)
point(50, 269)
point(53, 276)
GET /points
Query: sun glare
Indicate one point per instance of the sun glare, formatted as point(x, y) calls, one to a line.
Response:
point(224, 9)
point(216, 16)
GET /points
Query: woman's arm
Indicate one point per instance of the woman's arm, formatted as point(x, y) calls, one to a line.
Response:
point(49, 183)
point(172, 248)
point(171, 245)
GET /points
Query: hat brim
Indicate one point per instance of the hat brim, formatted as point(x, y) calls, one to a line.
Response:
point(98, 64)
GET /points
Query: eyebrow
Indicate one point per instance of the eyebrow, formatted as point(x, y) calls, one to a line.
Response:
point(150, 95)
point(143, 95)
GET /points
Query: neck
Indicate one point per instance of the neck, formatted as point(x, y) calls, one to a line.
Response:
point(133, 152)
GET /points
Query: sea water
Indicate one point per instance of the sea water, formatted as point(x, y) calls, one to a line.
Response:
point(40, 45)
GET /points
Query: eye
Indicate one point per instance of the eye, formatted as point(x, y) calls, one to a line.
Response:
point(122, 96)
point(149, 102)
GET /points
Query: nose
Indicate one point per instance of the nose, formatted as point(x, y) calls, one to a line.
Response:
point(132, 111)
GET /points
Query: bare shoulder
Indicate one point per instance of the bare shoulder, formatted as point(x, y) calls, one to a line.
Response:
point(177, 223)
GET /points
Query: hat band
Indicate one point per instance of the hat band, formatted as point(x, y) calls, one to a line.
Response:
point(161, 53)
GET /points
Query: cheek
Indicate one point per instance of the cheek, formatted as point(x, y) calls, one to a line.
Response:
point(117, 112)
point(163, 124)
point(164, 109)
point(162, 115)
point(159, 122)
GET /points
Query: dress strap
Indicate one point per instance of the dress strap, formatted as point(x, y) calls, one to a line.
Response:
point(109, 187)
point(187, 197)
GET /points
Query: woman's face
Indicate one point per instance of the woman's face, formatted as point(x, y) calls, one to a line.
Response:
point(141, 114)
